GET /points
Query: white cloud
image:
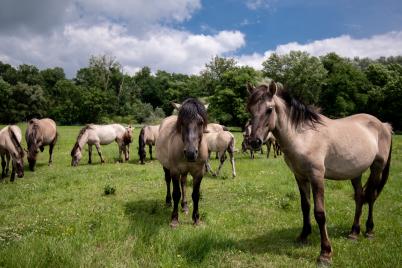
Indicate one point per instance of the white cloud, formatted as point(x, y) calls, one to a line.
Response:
point(388, 44)
point(161, 48)
point(257, 4)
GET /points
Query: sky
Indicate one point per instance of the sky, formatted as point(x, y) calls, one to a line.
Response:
point(183, 35)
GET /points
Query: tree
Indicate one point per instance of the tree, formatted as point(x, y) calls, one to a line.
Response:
point(303, 74)
point(345, 89)
point(213, 72)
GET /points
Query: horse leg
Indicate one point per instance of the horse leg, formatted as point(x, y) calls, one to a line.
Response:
point(274, 149)
point(121, 150)
point(183, 183)
point(196, 197)
point(232, 161)
point(97, 145)
point(209, 169)
point(304, 189)
point(222, 160)
point(89, 154)
point(8, 159)
point(357, 186)
point(268, 148)
point(168, 178)
point(317, 183)
point(51, 153)
point(3, 167)
point(370, 195)
point(150, 151)
point(176, 198)
point(128, 152)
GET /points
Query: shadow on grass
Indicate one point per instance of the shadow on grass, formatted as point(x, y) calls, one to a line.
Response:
point(147, 217)
point(274, 242)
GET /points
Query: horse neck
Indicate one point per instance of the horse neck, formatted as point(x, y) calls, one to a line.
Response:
point(83, 139)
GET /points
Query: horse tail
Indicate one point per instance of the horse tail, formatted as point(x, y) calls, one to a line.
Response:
point(141, 144)
point(385, 173)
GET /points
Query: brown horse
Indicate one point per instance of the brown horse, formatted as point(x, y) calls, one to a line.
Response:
point(316, 147)
point(10, 147)
point(148, 136)
point(39, 133)
point(181, 149)
point(101, 135)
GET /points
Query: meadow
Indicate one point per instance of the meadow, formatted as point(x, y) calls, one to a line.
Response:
point(59, 216)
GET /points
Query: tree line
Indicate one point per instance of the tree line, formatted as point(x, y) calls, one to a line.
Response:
point(102, 92)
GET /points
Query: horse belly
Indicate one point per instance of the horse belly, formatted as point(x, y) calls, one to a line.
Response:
point(349, 165)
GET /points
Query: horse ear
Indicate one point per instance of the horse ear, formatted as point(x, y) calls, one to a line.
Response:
point(206, 106)
point(176, 105)
point(250, 88)
point(272, 88)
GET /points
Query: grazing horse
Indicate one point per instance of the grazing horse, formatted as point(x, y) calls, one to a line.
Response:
point(181, 149)
point(214, 127)
point(221, 142)
point(316, 147)
point(39, 133)
point(10, 147)
point(148, 136)
point(102, 135)
point(269, 140)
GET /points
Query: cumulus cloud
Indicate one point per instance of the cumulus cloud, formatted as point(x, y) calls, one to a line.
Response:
point(162, 48)
point(388, 44)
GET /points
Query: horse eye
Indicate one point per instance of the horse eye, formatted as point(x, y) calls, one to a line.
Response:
point(269, 110)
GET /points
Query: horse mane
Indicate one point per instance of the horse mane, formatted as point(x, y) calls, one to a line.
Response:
point(16, 143)
point(76, 145)
point(33, 133)
point(299, 113)
point(141, 142)
point(189, 110)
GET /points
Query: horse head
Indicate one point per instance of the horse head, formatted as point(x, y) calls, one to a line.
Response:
point(191, 123)
point(261, 106)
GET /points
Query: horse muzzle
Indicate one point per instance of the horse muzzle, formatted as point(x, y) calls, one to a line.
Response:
point(191, 156)
point(256, 143)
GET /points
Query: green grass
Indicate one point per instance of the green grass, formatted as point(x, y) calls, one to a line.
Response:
point(60, 216)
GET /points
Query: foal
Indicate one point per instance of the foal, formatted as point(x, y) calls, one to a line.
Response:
point(181, 149)
point(317, 147)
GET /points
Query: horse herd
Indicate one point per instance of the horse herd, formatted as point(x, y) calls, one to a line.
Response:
point(314, 147)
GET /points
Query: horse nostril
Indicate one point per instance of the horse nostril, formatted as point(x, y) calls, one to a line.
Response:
point(196, 151)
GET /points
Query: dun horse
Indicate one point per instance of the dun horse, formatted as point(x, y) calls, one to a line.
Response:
point(10, 147)
point(182, 149)
point(316, 147)
point(269, 140)
point(148, 136)
point(101, 135)
point(39, 133)
point(221, 142)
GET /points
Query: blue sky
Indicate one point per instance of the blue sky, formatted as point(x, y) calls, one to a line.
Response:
point(183, 35)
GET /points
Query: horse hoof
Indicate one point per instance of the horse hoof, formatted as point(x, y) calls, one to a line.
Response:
point(197, 222)
point(369, 235)
point(214, 175)
point(324, 261)
point(185, 209)
point(352, 236)
point(302, 240)
point(168, 204)
point(174, 223)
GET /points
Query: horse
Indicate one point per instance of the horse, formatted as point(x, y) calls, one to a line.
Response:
point(102, 135)
point(181, 149)
point(269, 140)
point(214, 127)
point(221, 142)
point(148, 136)
point(10, 147)
point(39, 133)
point(317, 147)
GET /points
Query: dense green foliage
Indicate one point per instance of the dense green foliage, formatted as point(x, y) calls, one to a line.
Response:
point(101, 92)
point(60, 216)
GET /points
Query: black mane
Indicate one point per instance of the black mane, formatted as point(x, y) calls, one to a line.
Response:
point(76, 145)
point(299, 113)
point(33, 133)
point(189, 111)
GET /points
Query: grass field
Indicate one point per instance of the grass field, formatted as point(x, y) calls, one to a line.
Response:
point(58, 216)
